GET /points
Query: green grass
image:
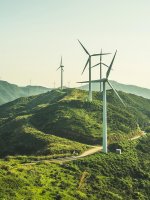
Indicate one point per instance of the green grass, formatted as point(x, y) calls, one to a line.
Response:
point(100, 176)
point(18, 137)
point(28, 125)
point(36, 129)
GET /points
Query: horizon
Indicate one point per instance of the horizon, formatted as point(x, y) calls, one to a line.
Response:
point(71, 87)
point(33, 38)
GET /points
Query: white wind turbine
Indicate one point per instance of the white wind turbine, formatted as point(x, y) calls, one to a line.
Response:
point(89, 62)
point(62, 70)
point(105, 81)
point(100, 64)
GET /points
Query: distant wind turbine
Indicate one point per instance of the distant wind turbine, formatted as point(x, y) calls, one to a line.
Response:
point(100, 64)
point(104, 81)
point(62, 70)
point(89, 62)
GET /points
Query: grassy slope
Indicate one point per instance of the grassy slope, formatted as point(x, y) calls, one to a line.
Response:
point(67, 115)
point(23, 124)
point(100, 176)
point(19, 137)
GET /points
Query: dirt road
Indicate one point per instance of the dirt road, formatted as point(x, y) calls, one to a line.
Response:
point(88, 152)
point(137, 137)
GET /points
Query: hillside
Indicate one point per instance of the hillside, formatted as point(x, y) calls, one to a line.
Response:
point(19, 137)
point(139, 91)
point(100, 176)
point(10, 92)
point(66, 114)
point(37, 129)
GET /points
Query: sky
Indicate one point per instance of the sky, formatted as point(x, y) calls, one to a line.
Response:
point(34, 34)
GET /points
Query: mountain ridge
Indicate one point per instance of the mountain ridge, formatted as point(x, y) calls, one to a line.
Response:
point(128, 88)
point(10, 92)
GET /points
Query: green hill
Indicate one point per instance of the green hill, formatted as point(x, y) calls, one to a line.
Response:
point(66, 114)
point(35, 129)
point(19, 137)
point(101, 176)
point(139, 91)
point(10, 92)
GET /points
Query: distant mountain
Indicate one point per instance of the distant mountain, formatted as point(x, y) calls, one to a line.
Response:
point(10, 92)
point(139, 91)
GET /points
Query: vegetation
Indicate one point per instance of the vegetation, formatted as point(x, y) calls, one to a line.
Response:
point(28, 125)
point(36, 130)
point(20, 138)
point(10, 92)
point(100, 176)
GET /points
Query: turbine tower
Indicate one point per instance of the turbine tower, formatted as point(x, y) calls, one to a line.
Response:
point(105, 81)
point(100, 64)
point(62, 70)
point(89, 62)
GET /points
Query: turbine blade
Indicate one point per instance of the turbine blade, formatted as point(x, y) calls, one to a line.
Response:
point(84, 47)
point(96, 65)
point(93, 81)
point(83, 82)
point(99, 64)
point(116, 93)
point(111, 64)
point(85, 66)
point(97, 81)
point(104, 64)
point(58, 68)
point(100, 54)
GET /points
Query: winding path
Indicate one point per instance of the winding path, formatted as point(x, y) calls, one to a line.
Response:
point(137, 137)
point(88, 152)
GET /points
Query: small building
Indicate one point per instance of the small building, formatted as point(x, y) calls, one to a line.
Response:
point(118, 151)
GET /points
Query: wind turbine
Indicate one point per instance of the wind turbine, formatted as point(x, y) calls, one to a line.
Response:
point(89, 62)
point(100, 64)
point(105, 81)
point(62, 70)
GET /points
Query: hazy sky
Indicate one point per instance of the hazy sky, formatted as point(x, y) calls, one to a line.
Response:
point(35, 33)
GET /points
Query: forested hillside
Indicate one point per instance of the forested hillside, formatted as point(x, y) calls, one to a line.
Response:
point(36, 130)
point(28, 124)
point(101, 176)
